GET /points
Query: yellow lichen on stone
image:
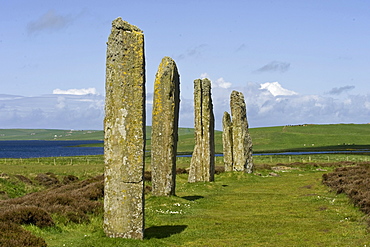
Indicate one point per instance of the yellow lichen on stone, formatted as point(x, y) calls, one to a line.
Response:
point(164, 128)
point(202, 161)
point(124, 125)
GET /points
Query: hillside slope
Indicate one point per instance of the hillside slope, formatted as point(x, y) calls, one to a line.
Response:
point(267, 139)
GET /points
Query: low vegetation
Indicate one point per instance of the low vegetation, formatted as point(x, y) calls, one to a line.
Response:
point(290, 200)
point(279, 203)
point(354, 181)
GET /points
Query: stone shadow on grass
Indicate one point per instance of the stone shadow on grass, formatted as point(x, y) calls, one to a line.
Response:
point(192, 198)
point(163, 231)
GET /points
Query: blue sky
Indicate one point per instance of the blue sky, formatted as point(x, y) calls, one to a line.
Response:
point(314, 55)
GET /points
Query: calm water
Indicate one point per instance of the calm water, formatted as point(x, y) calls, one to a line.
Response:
point(36, 149)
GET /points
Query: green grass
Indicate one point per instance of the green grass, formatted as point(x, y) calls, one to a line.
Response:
point(293, 209)
point(311, 137)
point(81, 166)
point(267, 139)
point(239, 209)
point(50, 134)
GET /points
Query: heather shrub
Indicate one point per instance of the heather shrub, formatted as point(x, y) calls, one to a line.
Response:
point(72, 201)
point(219, 169)
point(47, 179)
point(27, 215)
point(69, 179)
point(181, 171)
point(354, 181)
point(12, 235)
point(24, 179)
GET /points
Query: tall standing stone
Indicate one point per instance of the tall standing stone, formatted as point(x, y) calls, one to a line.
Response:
point(227, 141)
point(242, 141)
point(165, 118)
point(124, 126)
point(202, 165)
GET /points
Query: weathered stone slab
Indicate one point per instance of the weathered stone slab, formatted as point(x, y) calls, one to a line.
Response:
point(227, 141)
point(242, 141)
point(124, 126)
point(202, 166)
point(165, 118)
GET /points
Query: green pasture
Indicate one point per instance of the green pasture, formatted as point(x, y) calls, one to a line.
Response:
point(289, 208)
point(50, 134)
point(238, 209)
point(292, 209)
point(311, 137)
point(89, 166)
point(341, 137)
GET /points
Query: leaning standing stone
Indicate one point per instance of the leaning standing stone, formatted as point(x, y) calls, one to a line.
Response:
point(227, 141)
point(124, 126)
point(242, 141)
point(165, 118)
point(202, 165)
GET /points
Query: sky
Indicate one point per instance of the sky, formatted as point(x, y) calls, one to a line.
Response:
point(295, 61)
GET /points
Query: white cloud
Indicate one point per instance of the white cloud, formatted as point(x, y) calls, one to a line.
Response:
point(192, 52)
point(264, 108)
point(50, 21)
point(220, 82)
point(60, 103)
point(74, 91)
point(367, 105)
point(276, 89)
point(274, 66)
point(53, 111)
point(273, 105)
point(204, 75)
point(337, 91)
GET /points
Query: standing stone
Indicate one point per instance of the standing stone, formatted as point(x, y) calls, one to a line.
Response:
point(165, 118)
point(242, 141)
point(124, 126)
point(202, 165)
point(227, 141)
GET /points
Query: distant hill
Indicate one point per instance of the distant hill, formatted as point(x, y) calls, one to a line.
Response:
point(268, 139)
point(50, 134)
point(310, 137)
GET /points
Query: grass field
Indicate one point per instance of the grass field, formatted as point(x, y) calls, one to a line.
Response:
point(311, 137)
point(265, 140)
point(278, 205)
point(49, 134)
point(293, 208)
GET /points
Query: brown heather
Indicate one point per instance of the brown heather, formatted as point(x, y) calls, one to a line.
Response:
point(354, 181)
point(12, 235)
point(69, 203)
